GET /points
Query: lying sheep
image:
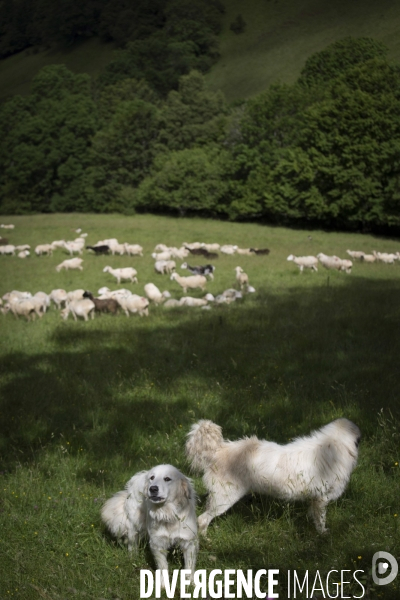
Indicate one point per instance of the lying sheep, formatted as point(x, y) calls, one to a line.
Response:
point(304, 262)
point(108, 305)
point(154, 294)
point(23, 254)
point(79, 308)
point(127, 273)
point(134, 304)
point(241, 277)
point(192, 282)
point(70, 264)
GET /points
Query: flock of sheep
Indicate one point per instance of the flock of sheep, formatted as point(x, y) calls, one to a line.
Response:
point(342, 264)
point(81, 303)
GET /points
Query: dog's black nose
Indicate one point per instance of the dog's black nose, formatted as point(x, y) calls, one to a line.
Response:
point(153, 489)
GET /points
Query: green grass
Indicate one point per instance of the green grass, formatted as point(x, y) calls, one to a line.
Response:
point(281, 35)
point(83, 406)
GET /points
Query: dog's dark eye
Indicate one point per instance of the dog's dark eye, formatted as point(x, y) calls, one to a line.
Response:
point(167, 478)
point(151, 478)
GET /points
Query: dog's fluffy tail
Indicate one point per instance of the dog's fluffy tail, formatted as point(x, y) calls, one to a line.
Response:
point(204, 439)
point(114, 514)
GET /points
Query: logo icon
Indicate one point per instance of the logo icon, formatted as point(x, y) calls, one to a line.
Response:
point(384, 568)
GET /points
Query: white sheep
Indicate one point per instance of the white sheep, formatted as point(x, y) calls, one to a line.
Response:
point(171, 303)
point(228, 249)
point(304, 262)
point(127, 273)
point(241, 277)
point(330, 262)
point(22, 247)
point(74, 295)
point(346, 265)
point(22, 308)
point(57, 244)
point(369, 258)
point(164, 266)
point(72, 247)
point(134, 304)
point(59, 296)
point(9, 296)
point(355, 254)
point(117, 248)
point(245, 251)
point(166, 255)
point(179, 253)
point(7, 226)
point(154, 294)
point(192, 246)
point(133, 249)
point(8, 249)
point(192, 282)
point(70, 263)
point(385, 257)
point(23, 254)
point(42, 300)
point(79, 308)
point(161, 248)
point(211, 247)
point(43, 249)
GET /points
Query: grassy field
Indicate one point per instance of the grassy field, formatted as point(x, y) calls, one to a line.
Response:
point(83, 406)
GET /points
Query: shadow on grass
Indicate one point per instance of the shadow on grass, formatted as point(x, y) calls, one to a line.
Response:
point(276, 366)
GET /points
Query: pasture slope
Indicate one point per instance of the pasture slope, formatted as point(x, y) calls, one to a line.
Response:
point(279, 37)
point(85, 405)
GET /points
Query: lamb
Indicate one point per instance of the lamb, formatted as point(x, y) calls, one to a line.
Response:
point(304, 262)
point(154, 294)
point(59, 296)
point(16, 294)
point(133, 249)
point(23, 254)
point(44, 249)
point(241, 277)
point(164, 266)
point(192, 282)
point(103, 304)
point(98, 250)
point(355, 254)
point(70, 263)
point(200, 269)
point(79, 308)
point(127, 273)
point(134, 304)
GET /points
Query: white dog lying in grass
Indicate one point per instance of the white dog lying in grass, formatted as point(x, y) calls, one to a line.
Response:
point(160, 503)
point(315, 468)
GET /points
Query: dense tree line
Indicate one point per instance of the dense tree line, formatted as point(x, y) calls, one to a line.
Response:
point(324, 151)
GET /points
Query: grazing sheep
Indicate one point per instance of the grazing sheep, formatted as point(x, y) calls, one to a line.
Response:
point(44, 249)
point(246, 251)
point(133, 249)
point(109, 305)
point(346, 265)
point(117, 248)
point(211, 247)
point(368, 258)
point(9, 296)
point(22, 247)
point(192, 282)
point(154, 294)
point(75, 295)
point(8, 249)
point(134, 304)
point(57, 244)
point(74, 247)
point(166, 255)
point(127, 273)
point(200, 269)
point(385, 257)
point(228, 249)
point(161, 248)
point(42, 300)
point(59, 296)
point(198, 251)
point(241, 277)
point(179, 253)
point(79, 308)
point(304, 262)
point(23, 254)
point(329, 262)
point(22, 308)
point(356, 254)
point(260, 251)
point(70, 264)
point(7, 226)
point(98, 250)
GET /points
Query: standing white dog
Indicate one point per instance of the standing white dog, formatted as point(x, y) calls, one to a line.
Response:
point(160, 502)
point(315, 468)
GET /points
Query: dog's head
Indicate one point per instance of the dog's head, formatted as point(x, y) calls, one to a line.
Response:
point(166, 483)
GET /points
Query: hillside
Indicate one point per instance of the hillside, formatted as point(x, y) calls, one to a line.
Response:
point(279, 36)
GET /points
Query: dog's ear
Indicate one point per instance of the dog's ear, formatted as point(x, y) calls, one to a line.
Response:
point(186, 489)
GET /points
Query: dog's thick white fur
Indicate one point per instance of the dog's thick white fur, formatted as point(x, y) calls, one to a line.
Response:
point(315, 468)
point(161, 503)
